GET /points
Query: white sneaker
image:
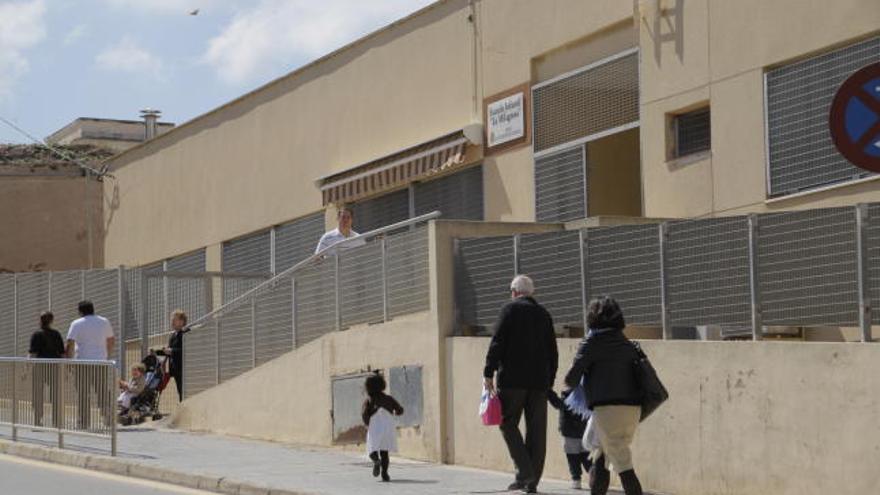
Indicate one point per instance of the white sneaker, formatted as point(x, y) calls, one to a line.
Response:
point(576, 484)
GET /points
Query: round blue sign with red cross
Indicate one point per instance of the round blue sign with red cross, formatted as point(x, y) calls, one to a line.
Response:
point(855, 118)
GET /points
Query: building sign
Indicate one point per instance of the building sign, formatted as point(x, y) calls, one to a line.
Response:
point(854, 119)
point(506, 119)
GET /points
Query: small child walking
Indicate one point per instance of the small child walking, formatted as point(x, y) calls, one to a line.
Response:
point(572, 427)
point(378, 414)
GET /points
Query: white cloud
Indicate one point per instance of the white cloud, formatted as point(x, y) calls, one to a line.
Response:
point(75, 34)
point(22, 25)
point(160, 6)
point(127, 56)
point(273, 34)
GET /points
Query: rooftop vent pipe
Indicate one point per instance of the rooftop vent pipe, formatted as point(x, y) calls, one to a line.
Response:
point(151, 119)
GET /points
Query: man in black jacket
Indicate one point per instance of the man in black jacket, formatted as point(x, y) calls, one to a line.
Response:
point(523, 352)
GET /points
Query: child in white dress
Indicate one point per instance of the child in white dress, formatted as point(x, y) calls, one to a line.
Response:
point(378, 414)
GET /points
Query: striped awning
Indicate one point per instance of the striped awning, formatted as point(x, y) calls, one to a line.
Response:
point(395, 170)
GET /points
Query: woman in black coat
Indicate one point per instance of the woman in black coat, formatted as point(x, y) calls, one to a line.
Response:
point(606, 359)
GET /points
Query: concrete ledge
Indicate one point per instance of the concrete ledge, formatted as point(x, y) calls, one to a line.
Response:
point(134, 469)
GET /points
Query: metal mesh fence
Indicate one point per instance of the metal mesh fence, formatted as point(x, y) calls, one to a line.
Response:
point(67, 290)
point(484, 268)
point(624, 262)
point(315, 300)
point(274, 320)
point(32, 299)
point(407, 272)
point(102, 288)
point(708, 272)
point(807, 267)
point(201, 351)
point(360, 284)
point(236, 341)
point(553, 261)
point(873, 252)
point(7, 315)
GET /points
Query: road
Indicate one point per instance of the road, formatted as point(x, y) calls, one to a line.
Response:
point(26, 477)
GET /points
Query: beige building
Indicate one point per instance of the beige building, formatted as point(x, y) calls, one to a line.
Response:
point(113, 134)
point(515, 112)
point(620, 113)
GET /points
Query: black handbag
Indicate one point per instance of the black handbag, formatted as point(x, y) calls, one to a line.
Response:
point(653, 391)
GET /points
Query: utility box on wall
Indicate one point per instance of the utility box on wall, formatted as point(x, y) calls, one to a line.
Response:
point(404, 384)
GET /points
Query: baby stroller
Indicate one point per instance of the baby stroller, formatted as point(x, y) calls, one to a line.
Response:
point(146, 405)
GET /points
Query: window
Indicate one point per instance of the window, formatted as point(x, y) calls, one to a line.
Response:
point(561, 185)
point(296, 240)
point(692, 133)
point(248, 254)
point(801, 155)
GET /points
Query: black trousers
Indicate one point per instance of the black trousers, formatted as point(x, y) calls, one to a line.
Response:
point(382, 458)
point(43, 377)
point(578, 464)
point(527, 454)
point(177, 374)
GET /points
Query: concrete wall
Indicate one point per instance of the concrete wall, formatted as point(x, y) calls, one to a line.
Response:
point(716, 51)
point(743, 418)
point(289, 398)
point(44, 223)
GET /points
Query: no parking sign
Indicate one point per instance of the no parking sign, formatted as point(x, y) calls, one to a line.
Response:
point(854, 119)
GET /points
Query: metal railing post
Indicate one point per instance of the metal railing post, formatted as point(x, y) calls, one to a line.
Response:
point(217, 351)
point(58, 412)
point(664, 301)
point(384, 250)
point(865, 310)
point(120, 301)
point(14, 316)
point(254, 332)
point(516, 240)
point(14, 403)
point(82, 285)
point(110, 375)
point(754, 287)
point(585, 288)
point(293, 311)
point(337, 291)
point(165, 297)
point(145, 312)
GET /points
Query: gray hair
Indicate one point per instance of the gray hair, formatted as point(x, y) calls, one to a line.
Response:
point(522, 284)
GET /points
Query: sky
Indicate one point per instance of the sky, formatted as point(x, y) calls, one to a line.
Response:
point(63, 59)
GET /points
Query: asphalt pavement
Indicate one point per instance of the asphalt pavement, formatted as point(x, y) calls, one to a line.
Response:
point(26, 477)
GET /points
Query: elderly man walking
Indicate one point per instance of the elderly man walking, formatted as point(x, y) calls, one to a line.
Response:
point(524, 354)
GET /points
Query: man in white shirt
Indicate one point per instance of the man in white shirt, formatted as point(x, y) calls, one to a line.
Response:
point(91, 338)
point(344, 218)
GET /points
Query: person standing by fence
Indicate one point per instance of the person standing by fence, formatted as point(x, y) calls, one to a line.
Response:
point(91, 338)
point(523, 351)
point(343, 231)
point(175, 349)
point(46, 343)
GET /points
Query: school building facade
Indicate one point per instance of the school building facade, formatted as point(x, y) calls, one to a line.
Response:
point(530, 117)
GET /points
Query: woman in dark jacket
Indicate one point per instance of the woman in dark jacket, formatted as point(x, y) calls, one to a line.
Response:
point(605, 359)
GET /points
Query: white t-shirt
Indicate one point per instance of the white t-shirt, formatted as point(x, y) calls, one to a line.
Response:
point(90, 334)
point(334, 237)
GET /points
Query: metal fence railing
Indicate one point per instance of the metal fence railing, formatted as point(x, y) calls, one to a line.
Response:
point(816, 267)
point(62, 396)
point(342, 286)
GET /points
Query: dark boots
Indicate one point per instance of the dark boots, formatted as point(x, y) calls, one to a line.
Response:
point(630, 482)
point(600, 477)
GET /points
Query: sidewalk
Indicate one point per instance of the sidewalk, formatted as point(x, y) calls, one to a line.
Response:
point(239, 466)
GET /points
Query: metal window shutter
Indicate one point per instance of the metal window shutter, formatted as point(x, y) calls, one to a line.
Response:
point(693, 132)
point(249, 254)
point(799, 95)
point(381, 211)
point(586, 103)
point(191, 262)
point(296, 240)
point(561, 185)
point(458, 196)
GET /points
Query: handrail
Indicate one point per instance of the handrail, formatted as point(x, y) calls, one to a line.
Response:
point(201, 321)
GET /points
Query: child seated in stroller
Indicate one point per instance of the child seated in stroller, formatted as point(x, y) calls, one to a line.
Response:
point(133, 387)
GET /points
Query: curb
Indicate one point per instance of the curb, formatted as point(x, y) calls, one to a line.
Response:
point(113, 465)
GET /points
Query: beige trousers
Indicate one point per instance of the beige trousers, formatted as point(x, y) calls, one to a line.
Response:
point(616, 427)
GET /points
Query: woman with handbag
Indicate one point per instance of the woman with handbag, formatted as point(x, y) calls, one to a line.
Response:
point(605, 360)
